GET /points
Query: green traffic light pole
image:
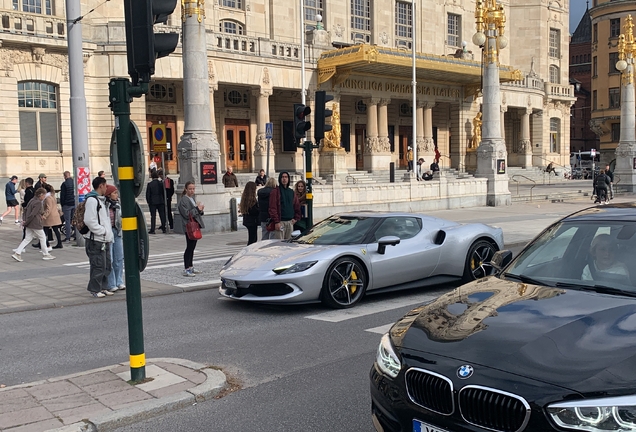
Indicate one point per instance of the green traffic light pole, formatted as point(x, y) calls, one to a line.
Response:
point(308, 146)
point(121, 93)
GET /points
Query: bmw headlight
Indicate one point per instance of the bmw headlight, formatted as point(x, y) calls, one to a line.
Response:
point(596, 415)
point(387, 359)
point(294, 268)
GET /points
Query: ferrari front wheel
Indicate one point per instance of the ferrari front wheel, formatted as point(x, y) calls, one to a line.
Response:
point(345, 283)
point(478, 260)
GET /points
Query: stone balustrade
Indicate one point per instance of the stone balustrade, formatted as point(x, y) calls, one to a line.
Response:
point(559, 91)
point(528, 82)
point(23, 23)
point(240, 44)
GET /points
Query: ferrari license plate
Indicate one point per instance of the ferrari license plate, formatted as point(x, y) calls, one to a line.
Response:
point(229, 283)
point(419, 426)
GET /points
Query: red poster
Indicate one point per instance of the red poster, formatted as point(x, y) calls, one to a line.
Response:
point(83, 182)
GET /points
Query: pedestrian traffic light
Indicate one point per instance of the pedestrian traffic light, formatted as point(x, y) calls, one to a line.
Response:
point(321, 115)
point(143, 45)
point(301, 126)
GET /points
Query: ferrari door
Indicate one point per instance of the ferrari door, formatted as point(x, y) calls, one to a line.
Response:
point(416, 257)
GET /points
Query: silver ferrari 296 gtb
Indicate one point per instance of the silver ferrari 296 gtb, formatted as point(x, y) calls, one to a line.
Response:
point(347, 255)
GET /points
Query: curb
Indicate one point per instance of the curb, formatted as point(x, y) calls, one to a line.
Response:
point(207, 390)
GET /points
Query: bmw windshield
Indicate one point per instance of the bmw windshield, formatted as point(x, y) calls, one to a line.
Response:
point(598, 255)
point(338, 230)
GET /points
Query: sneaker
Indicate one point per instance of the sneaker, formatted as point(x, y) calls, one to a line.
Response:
point(16, 250)
point(113, 289)
point(196, 271)
point(17, 257)
point(48, 257)
point(98, 294)
point(108, 293)
point(18, 222)
point(122, 287)
point(188, 273)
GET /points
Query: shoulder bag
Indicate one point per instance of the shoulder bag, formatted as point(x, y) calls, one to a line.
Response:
point(193, 230)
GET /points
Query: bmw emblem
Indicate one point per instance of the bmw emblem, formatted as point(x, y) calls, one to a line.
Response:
point(465, 371)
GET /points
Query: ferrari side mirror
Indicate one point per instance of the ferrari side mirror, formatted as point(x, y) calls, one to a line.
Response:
point(501, 259)
point(387, 241)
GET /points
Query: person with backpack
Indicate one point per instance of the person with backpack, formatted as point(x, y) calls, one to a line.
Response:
point(32, 222)
point(98, 236)
point(602, 186)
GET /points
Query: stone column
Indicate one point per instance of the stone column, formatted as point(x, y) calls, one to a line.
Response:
point(260, 143)
point(525, 146)
point(425, 116)
point(371, 145)
point(383, 124)
point(492, 151)
point(626, 150)
point(503, 111)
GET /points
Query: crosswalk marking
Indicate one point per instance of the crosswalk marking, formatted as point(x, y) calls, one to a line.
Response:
point(200, 283)
point(380, 329)
point(340, 315)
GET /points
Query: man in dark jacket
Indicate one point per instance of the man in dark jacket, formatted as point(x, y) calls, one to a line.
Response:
point(229, 178)
point(12, 203)
point(263, 205)
point(168, 184)
point(261, 178)
point(284, 208)
point(602, 186)
point(67, 201)
point(156, 203)
point(41, 181)
point(610, 175)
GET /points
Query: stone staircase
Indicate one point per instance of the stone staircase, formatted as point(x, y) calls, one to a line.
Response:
point(535, 175)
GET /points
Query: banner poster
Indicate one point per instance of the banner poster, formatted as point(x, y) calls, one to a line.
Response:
point(208, 173)
point(83, 182)
point(501, 166)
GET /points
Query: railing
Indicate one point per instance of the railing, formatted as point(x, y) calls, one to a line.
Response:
point(527, 178)
point(32, 24)
point(558, 90)
point(240, 44)
point(528, 82)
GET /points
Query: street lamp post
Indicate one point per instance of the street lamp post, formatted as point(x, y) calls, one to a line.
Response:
point(626, 150)
point(491, 154)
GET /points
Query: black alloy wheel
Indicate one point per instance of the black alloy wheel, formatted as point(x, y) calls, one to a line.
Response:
point(345, 283)
point(478, 260)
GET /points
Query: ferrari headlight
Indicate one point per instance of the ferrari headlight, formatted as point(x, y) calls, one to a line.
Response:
point(596, 415)
point(387, 359)
point(294, 268)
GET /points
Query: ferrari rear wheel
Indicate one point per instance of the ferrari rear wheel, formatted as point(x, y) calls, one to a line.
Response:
point(345, 283)
point(478, 260)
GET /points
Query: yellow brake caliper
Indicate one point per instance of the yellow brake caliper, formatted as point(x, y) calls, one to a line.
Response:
point(353, 277)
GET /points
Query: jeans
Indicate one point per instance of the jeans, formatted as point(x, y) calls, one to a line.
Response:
point(188, 255)
point(153, 216)
point(69, 211)
point(99, 257)
point(265, 235)
point(116, 275)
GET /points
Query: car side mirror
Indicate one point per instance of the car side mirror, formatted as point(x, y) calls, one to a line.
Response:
point(296, 233)
point(501, 259)
point(387, 241)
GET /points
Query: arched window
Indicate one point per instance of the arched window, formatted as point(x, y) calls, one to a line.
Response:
point(231, 27)
point(38, 112)
point(555, 134)
point(554, 75)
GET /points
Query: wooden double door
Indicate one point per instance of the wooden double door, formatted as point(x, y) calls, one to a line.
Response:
point(169, 157)
point(237, 145)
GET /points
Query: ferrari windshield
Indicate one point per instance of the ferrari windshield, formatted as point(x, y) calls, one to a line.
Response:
point(338, 230)
point(588, 254)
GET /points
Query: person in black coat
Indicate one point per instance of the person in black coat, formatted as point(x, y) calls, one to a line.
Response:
point(249, 210)
point(168, 183)
point(263, 205)
point(67, 201)
point(156, 203)
point(261, 178)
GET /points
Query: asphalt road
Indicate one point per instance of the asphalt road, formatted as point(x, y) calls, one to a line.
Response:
point(302, 368)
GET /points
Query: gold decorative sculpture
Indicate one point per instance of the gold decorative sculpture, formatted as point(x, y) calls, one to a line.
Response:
point(332, 138)
point(476, 131)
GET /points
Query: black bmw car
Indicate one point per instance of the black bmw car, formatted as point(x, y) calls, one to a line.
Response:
point(548, 344)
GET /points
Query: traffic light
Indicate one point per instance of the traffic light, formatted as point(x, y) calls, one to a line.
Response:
point(301, 126)
point(143, 45)
point(321, 115)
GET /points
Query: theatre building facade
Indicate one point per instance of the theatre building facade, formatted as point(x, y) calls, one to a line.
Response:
point(357, 50)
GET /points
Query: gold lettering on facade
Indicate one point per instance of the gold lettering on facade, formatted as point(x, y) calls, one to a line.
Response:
point(402, 88)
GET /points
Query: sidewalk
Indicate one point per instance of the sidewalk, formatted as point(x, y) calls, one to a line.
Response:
point(102, 399)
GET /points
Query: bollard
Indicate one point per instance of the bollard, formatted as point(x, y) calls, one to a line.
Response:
point(392, 172)
point(233, 215)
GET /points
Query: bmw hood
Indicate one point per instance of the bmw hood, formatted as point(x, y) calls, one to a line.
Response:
point(579, 340)
point(267, 255)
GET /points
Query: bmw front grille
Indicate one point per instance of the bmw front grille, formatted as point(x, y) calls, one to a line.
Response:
point(430, 390)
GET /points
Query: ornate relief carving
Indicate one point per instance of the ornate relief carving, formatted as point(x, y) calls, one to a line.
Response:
point(37, 53)
point(371, 145)
point(384, 145)
point(266, 76)
point(384, 38)
point(428, 145)
point(338, 30)
point(522, 146)
point(260, 146)
point(625, 150)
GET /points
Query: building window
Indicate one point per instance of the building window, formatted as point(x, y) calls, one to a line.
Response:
point(595, 33)
point(613, 58)
point(236, 98)
point(454, 22)
point(235, 4)
point(594, 67)
point(555, 43)
point(34, 6)
point(554, 75)
point(361, 20)
point(161, 93)
point(555, 127)
point(361, 107)
point(313, 8)
point(594, 99)
point(616, 132)
point(403, 20)
point(231, 27)
point(614, 97)
point(37, 104)
point(615, 27)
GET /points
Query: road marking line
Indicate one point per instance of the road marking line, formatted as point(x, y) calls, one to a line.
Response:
point(194, 262)
point(372, 308)
point(381, 329)
point(201, 283)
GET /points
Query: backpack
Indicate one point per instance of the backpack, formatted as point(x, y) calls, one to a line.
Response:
point(78, 217)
